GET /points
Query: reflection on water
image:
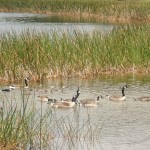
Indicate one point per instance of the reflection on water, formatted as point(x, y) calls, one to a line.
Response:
point(110, 125)
point(28, 17)
point(19, 22)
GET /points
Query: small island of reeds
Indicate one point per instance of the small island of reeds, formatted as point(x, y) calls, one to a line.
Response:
point(43, 55)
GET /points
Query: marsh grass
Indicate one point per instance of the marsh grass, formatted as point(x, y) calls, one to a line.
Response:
point(43, 55)
point(114, 10)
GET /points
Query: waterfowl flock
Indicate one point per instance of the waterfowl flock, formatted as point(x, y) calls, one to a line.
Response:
point(74, 101)
point(88, 102)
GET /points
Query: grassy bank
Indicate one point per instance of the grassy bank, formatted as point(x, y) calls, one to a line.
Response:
point(112, 10)
point(40, 55)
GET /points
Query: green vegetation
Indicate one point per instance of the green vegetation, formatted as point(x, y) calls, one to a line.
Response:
point(42, 55)
point(112, 10)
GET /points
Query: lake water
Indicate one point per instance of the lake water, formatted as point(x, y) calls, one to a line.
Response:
point(19, 22)
point(110, 125)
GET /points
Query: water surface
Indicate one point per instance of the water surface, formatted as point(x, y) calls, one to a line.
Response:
point(19, 22)
point(117, 125)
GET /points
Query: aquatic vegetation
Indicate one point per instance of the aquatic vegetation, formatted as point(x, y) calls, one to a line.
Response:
point(114, 10)
point(44, 55)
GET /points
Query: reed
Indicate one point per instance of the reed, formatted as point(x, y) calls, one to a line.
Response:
point(114, 10)
point(20, 127)
point(43, 55)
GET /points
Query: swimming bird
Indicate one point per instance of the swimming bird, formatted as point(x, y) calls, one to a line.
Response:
point(143, 98)
point(6, 90)
point(46, 99)
point(65, 104)
point(118, 98)
point(90, 102)
point(13, 87)
point(76, 96)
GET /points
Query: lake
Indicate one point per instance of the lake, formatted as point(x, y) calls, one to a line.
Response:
point(19, 22)
point(109, 126)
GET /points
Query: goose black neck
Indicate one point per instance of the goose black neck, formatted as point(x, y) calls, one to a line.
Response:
point(26, 82)
point(123, 94)
point(76, 96)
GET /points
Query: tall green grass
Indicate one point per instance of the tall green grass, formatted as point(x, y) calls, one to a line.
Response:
point(114, 10)
point(42, 55)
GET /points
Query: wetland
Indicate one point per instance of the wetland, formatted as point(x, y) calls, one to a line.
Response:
point(96, 46)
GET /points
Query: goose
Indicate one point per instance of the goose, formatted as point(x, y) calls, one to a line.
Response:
point(64, 104)
point(118, 98)
point(143, 98)
point(90, 102)
point(46, 99)
point(76, 96)
point(13, 87)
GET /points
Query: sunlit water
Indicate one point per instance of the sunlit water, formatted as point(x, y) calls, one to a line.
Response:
point(116, 125)
point(19, 22)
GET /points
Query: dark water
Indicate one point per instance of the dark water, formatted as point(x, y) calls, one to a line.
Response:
point(110, 125)
point(19, 22)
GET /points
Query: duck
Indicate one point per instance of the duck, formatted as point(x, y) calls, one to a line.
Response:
point(143, 98)
point(118, 98)
point(7, 90)
point(46, 99)
point(90, 102)
point(11, 87)
point(65, 104)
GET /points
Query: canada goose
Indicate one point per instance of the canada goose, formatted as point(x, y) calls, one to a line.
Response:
point(90, 102)
point(64, 104)
point(119, 98)
point(143, 98)
point(46, 99)
point(76, 96)
point(13, 87)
